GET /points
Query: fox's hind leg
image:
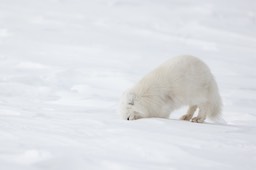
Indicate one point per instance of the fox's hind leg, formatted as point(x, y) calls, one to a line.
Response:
point(201, 114)
point(189, 113)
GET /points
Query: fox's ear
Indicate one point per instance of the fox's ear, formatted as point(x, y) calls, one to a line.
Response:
point(131, 98)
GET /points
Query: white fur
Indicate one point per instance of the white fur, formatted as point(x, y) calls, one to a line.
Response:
point(181, 81)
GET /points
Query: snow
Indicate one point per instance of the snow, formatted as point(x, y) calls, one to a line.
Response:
point(64, 65)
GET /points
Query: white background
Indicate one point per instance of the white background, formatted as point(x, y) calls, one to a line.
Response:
point(65, 63)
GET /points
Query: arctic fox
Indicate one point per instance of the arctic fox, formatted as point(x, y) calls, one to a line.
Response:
point(181, 81)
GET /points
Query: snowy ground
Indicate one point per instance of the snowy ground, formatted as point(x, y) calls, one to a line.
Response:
point(65, 63)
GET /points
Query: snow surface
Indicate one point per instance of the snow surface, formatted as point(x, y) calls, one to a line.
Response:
point(65, 63)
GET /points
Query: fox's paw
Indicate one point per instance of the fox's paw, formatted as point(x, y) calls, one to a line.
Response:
point(198, 119)
point(186, 117)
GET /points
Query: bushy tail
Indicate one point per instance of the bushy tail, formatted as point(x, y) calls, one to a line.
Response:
point(215, 110)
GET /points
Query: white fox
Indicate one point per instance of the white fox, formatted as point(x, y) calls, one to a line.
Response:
point(183, 80)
